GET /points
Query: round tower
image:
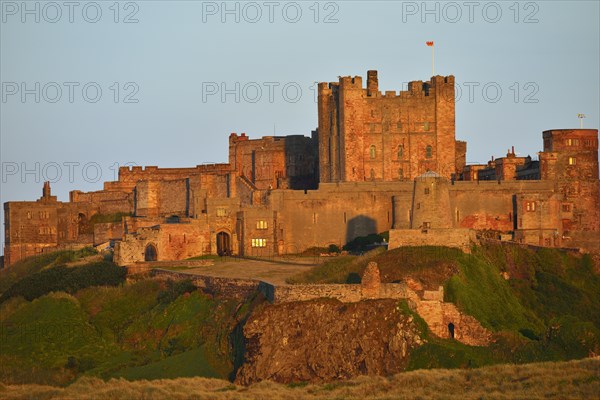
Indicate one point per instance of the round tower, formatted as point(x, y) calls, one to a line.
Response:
point(431, 202)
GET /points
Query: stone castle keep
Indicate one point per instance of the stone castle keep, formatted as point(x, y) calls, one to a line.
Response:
point(378, 161)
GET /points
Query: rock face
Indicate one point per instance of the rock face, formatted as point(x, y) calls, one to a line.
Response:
point(323, 340)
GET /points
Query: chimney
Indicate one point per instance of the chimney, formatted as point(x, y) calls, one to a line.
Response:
point(46, 192)
point(372, 83)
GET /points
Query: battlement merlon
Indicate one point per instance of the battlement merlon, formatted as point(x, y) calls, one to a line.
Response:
point(442, 86)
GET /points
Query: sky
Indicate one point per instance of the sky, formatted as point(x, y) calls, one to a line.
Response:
point(90, 86)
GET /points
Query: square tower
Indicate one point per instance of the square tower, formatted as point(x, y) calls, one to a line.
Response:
point(365, 135)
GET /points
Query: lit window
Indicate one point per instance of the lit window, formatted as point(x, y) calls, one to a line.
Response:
point(259, 242)
point(400, 152)
point(429, 152)
point(372, 152)
point(261, 224)
point(572, 161)
point(221, 212)
point(426, 126)
point(530, 205)
point(28, 214)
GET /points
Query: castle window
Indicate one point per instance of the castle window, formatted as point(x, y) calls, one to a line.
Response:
point(426, 190)
point(429, 152)
point(372, 152)
point(259, 242)
point(261, 224)
point(399, 125)
point(400, 152)
point(372, 174)
point(426, 126)
point(28, 214)
point(401, 174)
point(221, 212)
point(566, 208)
point(426, 225)
point(572, 161)
point(530, 205)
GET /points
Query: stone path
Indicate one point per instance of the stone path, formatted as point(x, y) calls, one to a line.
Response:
point(272, 272)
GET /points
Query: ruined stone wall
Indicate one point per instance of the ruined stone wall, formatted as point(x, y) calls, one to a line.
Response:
point(459, 238)
point(226, 287)
point(171, 241)
point(105, 232)
point(367, 135)
point(344, 293)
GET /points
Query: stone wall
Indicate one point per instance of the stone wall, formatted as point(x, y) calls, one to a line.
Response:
point(226, 287)
point(459, 238)
point(105, 232)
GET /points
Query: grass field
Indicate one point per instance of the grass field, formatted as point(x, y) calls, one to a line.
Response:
point(563, 380)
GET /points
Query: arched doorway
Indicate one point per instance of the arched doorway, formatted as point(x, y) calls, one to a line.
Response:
point(451, 330)
point(150, 254)
point(82, 224)
point(223, 244)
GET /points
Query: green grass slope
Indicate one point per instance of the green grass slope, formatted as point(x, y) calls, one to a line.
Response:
point(146, 329)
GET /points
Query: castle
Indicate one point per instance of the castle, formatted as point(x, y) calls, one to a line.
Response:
point(377, 162)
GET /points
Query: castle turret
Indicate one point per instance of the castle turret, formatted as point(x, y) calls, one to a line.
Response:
point(570, 159)
point(372, 83)
point(431, 202)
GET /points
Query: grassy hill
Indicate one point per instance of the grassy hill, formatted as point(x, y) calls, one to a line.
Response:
point(83, 320)
point(542, 304)
point(146, 329)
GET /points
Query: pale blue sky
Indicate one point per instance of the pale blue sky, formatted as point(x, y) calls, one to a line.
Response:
point(177, 48)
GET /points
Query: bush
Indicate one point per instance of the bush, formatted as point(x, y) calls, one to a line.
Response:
point(333, 248)
point(63, 279)
point(364, 243)
point(174, 290)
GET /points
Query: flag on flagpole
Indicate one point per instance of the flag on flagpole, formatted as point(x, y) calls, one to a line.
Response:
point(430, 44)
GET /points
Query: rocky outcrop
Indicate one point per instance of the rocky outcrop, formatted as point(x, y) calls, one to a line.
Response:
point(323, 340)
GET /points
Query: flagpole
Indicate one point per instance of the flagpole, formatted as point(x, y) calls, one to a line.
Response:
point(433, 60)
point(432, 45)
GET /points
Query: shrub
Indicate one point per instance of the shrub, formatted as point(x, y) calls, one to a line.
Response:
point(364, 243)
point(174, 290)
point(63, 279)
point(333, 248)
